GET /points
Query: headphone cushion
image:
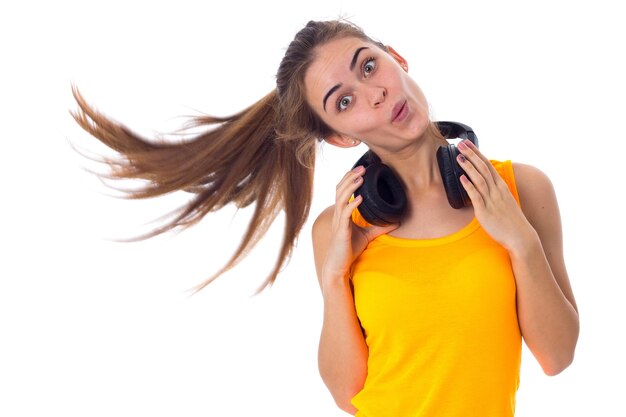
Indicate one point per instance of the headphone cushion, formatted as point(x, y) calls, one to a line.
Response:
point(384, 199)
point(450, 174)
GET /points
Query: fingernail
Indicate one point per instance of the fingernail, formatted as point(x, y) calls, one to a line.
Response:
point(462, 145)
point(357, 169)
point(461, 158)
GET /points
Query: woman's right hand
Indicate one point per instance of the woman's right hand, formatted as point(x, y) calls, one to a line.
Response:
point(348, 240)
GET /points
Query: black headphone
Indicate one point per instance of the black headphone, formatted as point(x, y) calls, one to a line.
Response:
point(384, 200)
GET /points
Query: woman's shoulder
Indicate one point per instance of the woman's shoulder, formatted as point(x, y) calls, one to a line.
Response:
point(520, 172)
point(525, 172)
point(530, 180)
point(536, 193)
point(322, 223)
point(321, 233)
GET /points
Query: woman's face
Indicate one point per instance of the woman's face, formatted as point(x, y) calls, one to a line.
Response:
point(365, 93)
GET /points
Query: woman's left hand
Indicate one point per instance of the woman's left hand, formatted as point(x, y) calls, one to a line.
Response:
point(495, 207)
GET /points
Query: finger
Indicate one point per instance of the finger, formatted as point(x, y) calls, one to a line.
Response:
point(350, 178)
point(477, 178)
point(351, 175)
point(474, 195)
point(348, 185)
point(345, 203)
point(497, 179)
point(343, 214)
point(486, 160)
point(477, 160)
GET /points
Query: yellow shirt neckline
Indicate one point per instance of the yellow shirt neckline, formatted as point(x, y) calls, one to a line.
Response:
point(465, 231)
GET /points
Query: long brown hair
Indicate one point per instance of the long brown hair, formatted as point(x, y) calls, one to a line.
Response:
point(263, 155)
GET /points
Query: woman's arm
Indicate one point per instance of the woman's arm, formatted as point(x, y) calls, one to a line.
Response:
point(337, 242)
point(342, 355)
point(546, 307)
point(532, 235)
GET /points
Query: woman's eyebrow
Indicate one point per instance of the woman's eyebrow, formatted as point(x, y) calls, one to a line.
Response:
point(332, 90)
point(355, 57)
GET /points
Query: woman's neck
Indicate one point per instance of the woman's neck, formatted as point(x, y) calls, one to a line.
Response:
point(416, 164)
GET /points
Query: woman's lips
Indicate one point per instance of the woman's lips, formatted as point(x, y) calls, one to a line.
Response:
point(399, 112)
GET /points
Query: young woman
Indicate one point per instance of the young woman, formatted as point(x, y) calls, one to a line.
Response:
point(423, 317)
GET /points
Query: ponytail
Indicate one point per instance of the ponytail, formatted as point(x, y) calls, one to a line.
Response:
point(241, 160)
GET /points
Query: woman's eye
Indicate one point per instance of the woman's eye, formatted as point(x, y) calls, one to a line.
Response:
point(369, 65)
point(344, 102)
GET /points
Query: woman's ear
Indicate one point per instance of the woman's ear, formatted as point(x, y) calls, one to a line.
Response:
point(399, 59)
point(341, 141)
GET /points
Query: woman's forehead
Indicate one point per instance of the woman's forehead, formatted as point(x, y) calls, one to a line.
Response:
point(334, 61)
point(339, 52)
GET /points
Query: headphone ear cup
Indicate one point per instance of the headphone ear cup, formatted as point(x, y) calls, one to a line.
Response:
point(384, 199)
point(451, 173)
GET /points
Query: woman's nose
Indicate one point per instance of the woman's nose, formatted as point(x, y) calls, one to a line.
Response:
point(377, 96)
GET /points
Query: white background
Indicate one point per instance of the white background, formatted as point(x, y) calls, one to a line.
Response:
point(92, 327)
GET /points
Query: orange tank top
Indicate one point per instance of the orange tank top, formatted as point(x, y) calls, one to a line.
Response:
point(440, 321)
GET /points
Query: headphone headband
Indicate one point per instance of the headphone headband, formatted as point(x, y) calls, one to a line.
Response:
point(452, 130)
